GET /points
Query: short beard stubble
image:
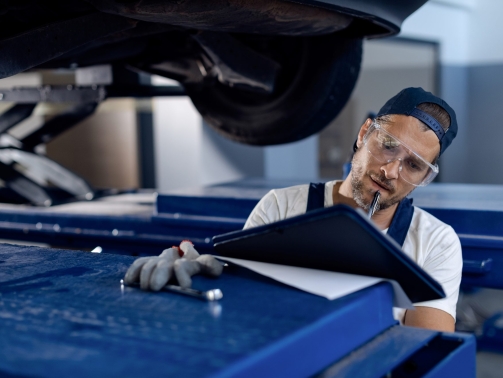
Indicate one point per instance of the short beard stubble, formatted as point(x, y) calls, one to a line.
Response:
point(357, 185)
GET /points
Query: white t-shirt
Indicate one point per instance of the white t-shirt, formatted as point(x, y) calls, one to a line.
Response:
point(432, 244)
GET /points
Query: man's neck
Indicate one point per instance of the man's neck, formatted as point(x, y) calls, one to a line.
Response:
point(343, 193)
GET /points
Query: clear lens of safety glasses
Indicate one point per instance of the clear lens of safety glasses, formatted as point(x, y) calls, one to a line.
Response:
point(386, 148)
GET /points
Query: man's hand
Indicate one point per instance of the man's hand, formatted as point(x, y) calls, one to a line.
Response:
point(153, 272)
point(430, 318)
point(182, 262)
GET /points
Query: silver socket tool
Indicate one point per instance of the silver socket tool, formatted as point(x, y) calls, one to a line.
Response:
point(209, 295)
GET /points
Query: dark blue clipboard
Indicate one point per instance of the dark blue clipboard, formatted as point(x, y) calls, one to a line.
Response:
point(338, 239)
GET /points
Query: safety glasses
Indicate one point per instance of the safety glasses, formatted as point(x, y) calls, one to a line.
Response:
point(386, 148)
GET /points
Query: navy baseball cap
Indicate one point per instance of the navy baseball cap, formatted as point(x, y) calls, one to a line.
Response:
point(405, 103)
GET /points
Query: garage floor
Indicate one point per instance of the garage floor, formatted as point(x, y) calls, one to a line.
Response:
point(489, 365)
point(474, 307)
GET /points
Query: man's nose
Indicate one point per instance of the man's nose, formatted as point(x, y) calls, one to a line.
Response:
point(391, 169)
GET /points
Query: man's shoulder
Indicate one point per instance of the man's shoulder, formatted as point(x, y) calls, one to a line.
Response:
point(290, 196)
point(291, 190)
point(425, 223)
point(279, 204)
point(297, 194)
point(427, 217)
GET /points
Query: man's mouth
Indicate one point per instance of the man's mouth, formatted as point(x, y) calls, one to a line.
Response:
point(381, 185)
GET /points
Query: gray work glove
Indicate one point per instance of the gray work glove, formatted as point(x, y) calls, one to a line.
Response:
point(194, 263)
point(155, 272)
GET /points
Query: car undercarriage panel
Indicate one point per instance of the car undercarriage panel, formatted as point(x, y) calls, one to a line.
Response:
point(260, 72)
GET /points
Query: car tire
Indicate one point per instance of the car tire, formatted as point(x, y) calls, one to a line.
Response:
point(317, 78)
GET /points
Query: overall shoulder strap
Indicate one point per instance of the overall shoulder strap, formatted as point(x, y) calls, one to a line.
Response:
point(316, 196)
point(401, 221)
point(399, 225)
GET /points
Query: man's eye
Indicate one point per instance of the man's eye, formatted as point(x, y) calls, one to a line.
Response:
point(416, 166)
point(389, 144)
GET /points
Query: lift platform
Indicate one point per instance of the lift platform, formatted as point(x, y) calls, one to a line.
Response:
point(145, 223)
point(65, 313)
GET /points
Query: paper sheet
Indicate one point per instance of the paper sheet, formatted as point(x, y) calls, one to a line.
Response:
point(331, 285)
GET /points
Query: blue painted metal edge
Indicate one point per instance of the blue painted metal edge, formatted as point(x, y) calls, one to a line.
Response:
point(382, 354)
point(312, 348)
point(461, 362)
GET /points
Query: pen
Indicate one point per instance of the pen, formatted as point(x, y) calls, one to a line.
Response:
point(374, 204)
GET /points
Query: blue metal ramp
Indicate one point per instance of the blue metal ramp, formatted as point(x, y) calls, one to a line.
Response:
point(64, 313)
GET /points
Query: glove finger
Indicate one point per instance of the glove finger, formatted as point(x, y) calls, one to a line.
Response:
point(184, 270)
point(133, 272)
point(146, 271)
point(171, 254)
point(210, 265)
point(189, 251)
point(161, 274)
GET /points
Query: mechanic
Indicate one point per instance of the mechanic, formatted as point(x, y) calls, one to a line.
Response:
point(394, 153)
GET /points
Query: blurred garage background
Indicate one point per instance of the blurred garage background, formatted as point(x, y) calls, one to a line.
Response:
point(448, 47)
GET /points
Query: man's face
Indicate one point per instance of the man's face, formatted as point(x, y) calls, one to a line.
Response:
point(369, 175)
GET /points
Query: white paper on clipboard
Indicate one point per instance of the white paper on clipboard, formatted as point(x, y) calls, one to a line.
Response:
point(327, 284)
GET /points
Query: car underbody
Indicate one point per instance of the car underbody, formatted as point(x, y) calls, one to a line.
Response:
point(260, 72)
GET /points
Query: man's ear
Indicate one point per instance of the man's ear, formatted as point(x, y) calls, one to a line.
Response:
point(362, 132)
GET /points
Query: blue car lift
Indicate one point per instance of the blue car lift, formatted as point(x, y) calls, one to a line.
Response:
point(145, 223)
point(65, 313)
point(476, 214)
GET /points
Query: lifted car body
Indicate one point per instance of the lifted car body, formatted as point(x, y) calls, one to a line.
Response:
point(260, 72)
point(255, 48)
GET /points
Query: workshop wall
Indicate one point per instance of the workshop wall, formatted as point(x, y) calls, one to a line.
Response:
point(448, 24)
point(471, 78)
point(485, 95)
point(188, 152)
point(224, 160)
point(102, 148)
point(297, 160)
point(177, 131)
point(484, 153)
